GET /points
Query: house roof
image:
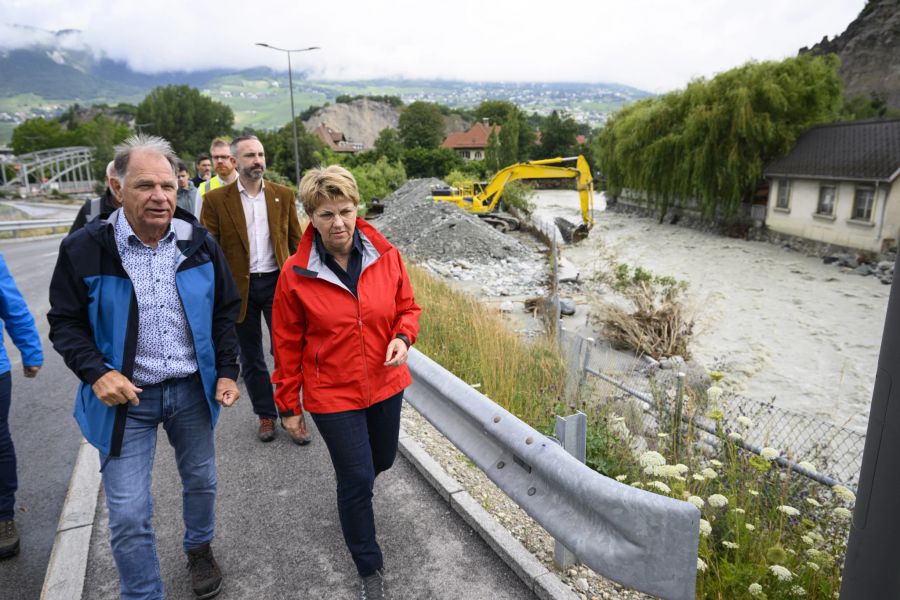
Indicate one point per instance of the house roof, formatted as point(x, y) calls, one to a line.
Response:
point(861, 150)
point(475, 138)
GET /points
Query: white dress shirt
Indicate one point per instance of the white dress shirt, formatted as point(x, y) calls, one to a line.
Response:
point(262, 256)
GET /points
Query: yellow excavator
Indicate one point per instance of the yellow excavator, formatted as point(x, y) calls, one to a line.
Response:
point(483, 199)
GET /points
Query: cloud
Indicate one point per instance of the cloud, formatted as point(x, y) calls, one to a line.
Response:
point(652, 44)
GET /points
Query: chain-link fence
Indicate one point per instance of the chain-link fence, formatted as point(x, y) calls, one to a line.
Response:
point(632, 386)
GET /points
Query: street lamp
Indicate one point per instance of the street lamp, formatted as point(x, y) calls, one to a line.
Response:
point(291, 84)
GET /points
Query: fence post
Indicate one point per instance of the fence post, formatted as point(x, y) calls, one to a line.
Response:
point(571, 432)
point(679, 408)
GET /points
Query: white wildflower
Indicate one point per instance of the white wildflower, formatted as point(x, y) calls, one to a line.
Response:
point(698, 477)
point(717, 501)
point(813, 566)
point(715, 463)
point(788, 510)
point(842, 513)
point(749, 526)
point(816, 536)
point(652, 459)
point(812, 502)
point(753, 492)
point(664, 471)
point(740, 511)
point(844, 494)
point(709, 473)
point(781, 573)
point(659, 485)
point(714, 392)
point(769, 453)
point(804, 464)
point(696, 501)
point(682, 469)
point(638, 485)
point(701, 566)
point(745, 422)
point(705, 528)
point(755, 589)
point(730, 545)
point(813, 553)
point(807, 540)
point(662, 434)
point(621, 477)
point(734, 436)
point(798, 591)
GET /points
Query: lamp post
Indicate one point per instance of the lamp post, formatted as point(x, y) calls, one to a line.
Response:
point(291, 84)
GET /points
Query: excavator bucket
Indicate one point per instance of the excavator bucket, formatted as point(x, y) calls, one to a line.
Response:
point(570, 232)
point(581, 232)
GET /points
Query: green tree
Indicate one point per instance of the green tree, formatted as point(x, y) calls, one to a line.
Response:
point(378, 179)
point(430, 162)
point(497, 112)
point(509, 139)
point(492, 151)
point(388, 144)
point(102, 133)
point(712, 140)
point(38, 134)
point(185, 117)
point(557, 136)
point(421, 126)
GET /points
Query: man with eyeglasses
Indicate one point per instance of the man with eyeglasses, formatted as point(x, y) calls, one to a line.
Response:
point(224, 165)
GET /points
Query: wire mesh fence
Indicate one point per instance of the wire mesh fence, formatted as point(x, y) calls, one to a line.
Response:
point(610, 378)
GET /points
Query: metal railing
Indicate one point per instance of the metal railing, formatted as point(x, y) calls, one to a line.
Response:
point(17, 227)
point(640, 539)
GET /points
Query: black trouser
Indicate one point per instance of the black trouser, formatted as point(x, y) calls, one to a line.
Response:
point(249, 331)
point(362, 444)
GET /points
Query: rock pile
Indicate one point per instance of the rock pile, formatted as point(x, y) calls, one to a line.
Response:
point(883, 270)
point(457, 245)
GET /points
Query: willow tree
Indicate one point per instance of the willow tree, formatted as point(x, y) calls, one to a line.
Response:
point(711, 140)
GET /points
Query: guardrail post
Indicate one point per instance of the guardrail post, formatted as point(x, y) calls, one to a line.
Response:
point(571, 432)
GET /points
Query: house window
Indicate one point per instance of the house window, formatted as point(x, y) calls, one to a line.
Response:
point(478, 155)
point(863, 201)
point(466, 154)
point(827, 194)
point(784, 194)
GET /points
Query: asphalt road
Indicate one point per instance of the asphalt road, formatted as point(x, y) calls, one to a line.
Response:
point(44, 432)
point(277, 529)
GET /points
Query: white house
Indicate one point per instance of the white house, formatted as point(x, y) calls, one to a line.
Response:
point(838, 185)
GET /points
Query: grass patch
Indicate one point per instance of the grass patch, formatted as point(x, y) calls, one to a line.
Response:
point(471, 341)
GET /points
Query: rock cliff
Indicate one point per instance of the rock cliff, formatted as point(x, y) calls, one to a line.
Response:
point(869, 50)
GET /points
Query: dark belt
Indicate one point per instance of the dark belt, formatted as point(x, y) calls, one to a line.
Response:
point(258, 275)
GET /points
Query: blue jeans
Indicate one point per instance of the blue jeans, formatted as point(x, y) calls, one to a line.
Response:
point(362, 444)
point(180, 405)
point(8, 482)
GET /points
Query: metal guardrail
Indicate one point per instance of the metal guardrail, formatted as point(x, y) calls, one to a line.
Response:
point(17, 226)
point(640, 539)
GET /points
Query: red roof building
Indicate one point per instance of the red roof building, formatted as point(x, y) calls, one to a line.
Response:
point(471, 144)
point(336, 140)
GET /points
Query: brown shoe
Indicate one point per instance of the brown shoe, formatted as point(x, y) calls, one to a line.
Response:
point(266, 431)
point(9, 539)
point(302, 437)
point(206, 577)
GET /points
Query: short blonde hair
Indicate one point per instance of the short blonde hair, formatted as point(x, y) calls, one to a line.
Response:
point(325, 184)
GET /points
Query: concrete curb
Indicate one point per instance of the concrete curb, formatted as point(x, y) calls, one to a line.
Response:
point(68, 559)
point(545, 584)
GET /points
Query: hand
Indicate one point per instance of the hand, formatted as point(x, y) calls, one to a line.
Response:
point(31, 371)
point(114, 388)
point(227, 392)
point(295, 425)
point(396, 353)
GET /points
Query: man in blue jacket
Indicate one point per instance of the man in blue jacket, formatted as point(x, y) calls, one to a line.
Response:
point(142, 309)
point(20, 326)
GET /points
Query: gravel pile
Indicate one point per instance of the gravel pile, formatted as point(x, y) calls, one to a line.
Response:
point(456, 245)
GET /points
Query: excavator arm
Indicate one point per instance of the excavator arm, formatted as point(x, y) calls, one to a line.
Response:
point(485, 199)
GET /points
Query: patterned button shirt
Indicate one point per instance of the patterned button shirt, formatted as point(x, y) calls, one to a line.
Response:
point(165, 349)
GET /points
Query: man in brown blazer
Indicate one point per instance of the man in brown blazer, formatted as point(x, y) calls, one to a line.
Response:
point(256, 224)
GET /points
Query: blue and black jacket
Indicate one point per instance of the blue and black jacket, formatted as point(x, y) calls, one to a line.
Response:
point(94, 317)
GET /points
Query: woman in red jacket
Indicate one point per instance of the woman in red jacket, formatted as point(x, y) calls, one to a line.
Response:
point(344, 317)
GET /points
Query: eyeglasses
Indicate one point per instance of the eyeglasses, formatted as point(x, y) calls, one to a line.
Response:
point(222, 158)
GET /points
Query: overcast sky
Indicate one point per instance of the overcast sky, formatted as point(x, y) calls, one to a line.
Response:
point(656, 45)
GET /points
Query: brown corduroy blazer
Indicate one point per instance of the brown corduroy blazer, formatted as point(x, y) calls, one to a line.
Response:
point(223, 216)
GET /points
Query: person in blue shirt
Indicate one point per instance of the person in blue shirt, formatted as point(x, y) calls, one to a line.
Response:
point(20, 326)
